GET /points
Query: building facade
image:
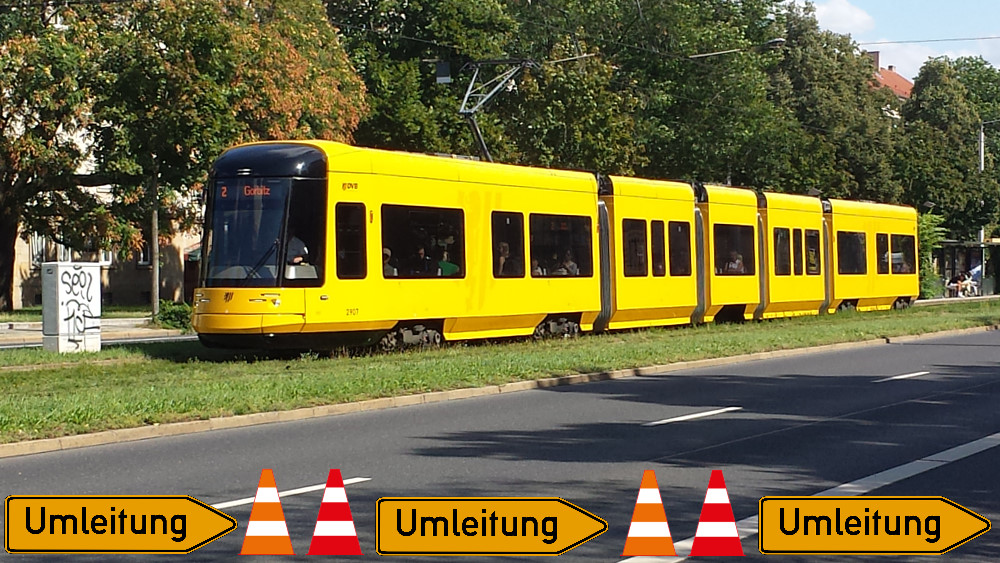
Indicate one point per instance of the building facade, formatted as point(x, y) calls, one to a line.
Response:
point(123, 282)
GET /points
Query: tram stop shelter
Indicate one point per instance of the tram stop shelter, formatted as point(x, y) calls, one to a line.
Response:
point(954, 257)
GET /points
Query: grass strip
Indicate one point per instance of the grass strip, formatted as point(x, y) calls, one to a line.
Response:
point(170, 382)
point(34, 314)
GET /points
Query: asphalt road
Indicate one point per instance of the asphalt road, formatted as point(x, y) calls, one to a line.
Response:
point(804, 425)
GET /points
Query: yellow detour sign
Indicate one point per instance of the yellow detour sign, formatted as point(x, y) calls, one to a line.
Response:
point(482, 526)
point(865, 525)
point(111, 524)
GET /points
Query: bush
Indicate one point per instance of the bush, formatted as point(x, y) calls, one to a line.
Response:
point(930, 234)
point(174, 315)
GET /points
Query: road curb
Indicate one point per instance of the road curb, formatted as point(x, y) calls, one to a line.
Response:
point(241, 421)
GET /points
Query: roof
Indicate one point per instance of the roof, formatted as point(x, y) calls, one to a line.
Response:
point(899, 85)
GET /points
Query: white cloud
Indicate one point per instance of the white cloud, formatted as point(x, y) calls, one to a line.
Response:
point(843, 17)
point(909, 57)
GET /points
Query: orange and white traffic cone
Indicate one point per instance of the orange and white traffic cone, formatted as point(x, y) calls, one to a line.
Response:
point(267, 532)
point(717, 533)
point(649, 533)
point(335, 533)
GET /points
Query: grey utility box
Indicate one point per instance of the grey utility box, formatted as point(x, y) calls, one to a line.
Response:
point(71, 307)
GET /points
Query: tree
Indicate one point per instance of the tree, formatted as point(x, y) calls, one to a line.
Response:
point(161, 112)
point(293, 79)
point(184, 79)
point(843, 137)
point(569, 115)
point(982, 83)
point(930, 234)
point(938, 161)
point(393, 44)
point(44, 112)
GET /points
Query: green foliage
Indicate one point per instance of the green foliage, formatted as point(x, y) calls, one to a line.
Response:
point(930, 234)
point(174, 315)
point(293, 79)
point(392, 42)
point(982, 83)
point(938, 159)
point(841, 143)
point(44, 106)
point(160, 107)
point(153, 92)
point(569, 116)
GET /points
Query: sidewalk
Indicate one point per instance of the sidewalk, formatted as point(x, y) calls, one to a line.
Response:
point(942, 300)
point(29, 333)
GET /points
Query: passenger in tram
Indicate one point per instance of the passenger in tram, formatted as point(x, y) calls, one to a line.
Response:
point(735, 264)
point(445, 265)
point(421, 264)
point(567, 267)
point(387, 269)
point(536, 268)
point(507, 265)
point(812, 260)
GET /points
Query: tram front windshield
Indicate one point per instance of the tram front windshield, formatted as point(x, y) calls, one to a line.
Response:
point(244, 239)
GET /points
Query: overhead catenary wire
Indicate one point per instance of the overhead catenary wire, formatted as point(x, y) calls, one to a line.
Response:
point(951, 40)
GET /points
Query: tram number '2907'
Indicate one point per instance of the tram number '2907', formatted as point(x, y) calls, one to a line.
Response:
point(352, 312)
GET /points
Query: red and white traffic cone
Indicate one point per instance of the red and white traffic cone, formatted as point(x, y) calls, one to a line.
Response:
point(717, 533)
point(335, 533)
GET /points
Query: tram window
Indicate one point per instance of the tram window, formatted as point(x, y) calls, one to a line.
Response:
point(659, 250)
point(423, 242)
point(734, 255)
point(852, 257)
point(244, 239)
point(882, 251)
point(812, 252)
point(680, 248)
point(508, 245)
point(305, 234)
point(782, 253)
point(351, 261)
point(797, 250)
point(634, 247)
point(562, 245)
point(904, 254)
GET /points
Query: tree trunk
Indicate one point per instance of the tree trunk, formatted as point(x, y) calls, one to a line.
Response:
point(8, 240)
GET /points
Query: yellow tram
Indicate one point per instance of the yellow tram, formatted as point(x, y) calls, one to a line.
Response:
point(316, 244)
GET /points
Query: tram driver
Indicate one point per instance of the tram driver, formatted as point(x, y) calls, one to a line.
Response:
point(295, 251)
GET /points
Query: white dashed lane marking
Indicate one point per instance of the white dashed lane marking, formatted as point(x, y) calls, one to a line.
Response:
point(291, 492)
point(904, 376)
point(692, 416)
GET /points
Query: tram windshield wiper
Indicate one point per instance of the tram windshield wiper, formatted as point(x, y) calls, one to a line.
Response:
point(260, 263)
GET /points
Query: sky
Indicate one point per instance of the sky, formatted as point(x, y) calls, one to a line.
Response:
point(871, 21)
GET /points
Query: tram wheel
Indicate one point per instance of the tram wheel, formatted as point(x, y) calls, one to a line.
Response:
point(389, 342)
point(431, 338)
